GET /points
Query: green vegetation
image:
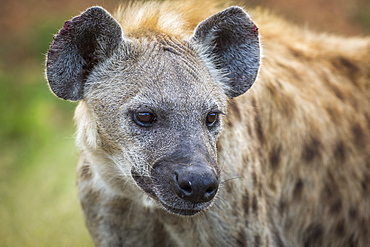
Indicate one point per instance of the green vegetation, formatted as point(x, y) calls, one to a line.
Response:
point(363, 15)
point(38, 196)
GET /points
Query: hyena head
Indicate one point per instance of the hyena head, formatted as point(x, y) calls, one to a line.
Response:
point(154, 103)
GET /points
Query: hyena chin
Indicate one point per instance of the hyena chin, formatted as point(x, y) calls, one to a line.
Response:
point(176, 152)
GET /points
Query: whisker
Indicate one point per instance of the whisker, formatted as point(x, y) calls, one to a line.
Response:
point(230, 179)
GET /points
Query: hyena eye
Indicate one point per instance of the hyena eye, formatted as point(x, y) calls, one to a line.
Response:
point(211, 119)
point(144, 119)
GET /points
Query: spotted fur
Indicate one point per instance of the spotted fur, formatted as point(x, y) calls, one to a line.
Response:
point(291, 154)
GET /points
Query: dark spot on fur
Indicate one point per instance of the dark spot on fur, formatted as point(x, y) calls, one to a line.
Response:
point(365, 183)
point(246, 203)
point(275, 156)
point(340, 151)
point(346, 66)
point(351, 241)
point(295, 53)
point(358, 135)
point(249, 130)
point(287, 105)
point(333, 113)
point(258, 123)
point(288, 224)
point(219, 147)
point(329, 192)
point(364, 225)
point(296, 75)
point(368, 120)
point(311, 149)
point(313, 236)
point(242, 239)
point(272, 89)
point(353, 213)
point(162, 237)
point(282, 206)
point(85, 172)
point(257, 240)
point(229, 187)
point(279, 242)
point(93, 197)
point(337, 91)
point(330, 189)
point(336, 207)
point(340, 228)
point(298, 189)
point(259, 130)
point(245, 160)
point(254, 178)
point(260, 189)
point(255, 204)
point(278, 85)
point(355, 103)
point(326, 192)
point(229, 123)
point(234, 108)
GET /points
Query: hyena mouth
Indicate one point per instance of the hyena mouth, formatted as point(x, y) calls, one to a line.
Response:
point(184, 211)
point(170, 201)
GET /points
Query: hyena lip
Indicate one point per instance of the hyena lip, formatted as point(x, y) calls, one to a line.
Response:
point(182, 211)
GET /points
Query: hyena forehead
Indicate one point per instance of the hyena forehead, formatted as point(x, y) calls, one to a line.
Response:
point(157, 70)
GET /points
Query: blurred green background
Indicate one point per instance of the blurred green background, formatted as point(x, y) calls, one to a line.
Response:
point(38, 195)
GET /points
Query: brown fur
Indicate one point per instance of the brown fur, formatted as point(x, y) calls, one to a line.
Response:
point(312, 116)
point(294, 152)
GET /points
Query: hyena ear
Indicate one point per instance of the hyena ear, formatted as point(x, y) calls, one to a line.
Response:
point(229, 39)
point(81, 44)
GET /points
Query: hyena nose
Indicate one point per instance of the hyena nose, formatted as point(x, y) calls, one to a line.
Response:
point(195, 183)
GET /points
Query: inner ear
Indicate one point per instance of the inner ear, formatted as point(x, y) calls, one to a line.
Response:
point(80, 45)
point(230, 40)
point(88, 50)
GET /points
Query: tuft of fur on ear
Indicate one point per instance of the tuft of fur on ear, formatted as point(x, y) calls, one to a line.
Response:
point(230, 40)
point(81, 44)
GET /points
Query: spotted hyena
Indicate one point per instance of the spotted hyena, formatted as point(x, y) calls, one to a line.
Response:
point(176, 152)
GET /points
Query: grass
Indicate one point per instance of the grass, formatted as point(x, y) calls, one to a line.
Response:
point(38, 195)
point(39, 204)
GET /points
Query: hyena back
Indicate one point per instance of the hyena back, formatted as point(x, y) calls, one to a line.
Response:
point(174, 152)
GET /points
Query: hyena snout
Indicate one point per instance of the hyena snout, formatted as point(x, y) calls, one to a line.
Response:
point(195, 183)
point(185, 183)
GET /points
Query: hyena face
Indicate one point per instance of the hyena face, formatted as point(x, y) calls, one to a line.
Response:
point(167, 114)
point(157, 103)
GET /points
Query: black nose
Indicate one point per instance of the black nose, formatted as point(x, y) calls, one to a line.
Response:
point(195, 183)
